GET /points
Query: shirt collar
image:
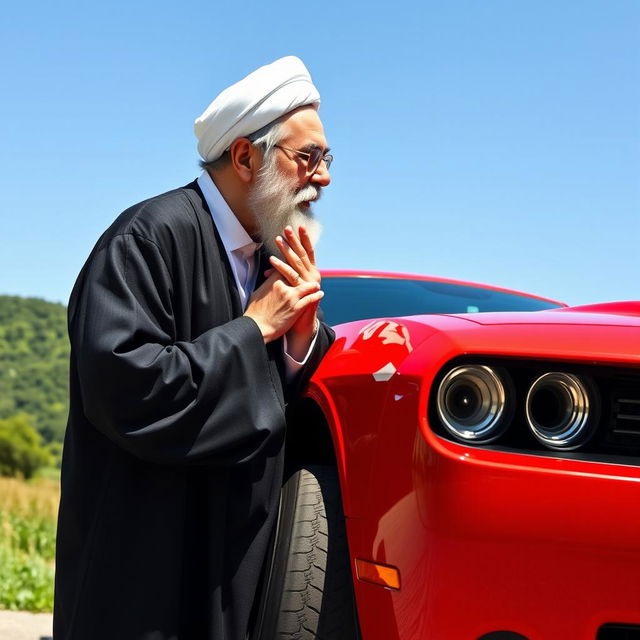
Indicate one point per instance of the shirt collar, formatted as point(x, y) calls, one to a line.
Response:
point(232, 233)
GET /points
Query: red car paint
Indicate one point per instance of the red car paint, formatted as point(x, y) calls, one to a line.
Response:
point(547, 546)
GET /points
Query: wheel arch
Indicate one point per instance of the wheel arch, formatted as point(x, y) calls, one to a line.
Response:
point(314, 437)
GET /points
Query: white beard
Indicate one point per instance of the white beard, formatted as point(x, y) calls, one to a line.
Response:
point(275, 205)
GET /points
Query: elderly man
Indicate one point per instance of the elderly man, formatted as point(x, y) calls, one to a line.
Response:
point(191, 323)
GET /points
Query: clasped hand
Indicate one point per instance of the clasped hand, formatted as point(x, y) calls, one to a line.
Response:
point(288, 299)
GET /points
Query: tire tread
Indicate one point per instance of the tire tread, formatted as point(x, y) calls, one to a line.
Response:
point(317, 596)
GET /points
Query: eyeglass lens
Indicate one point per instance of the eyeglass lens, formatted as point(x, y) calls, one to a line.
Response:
point(315, 158)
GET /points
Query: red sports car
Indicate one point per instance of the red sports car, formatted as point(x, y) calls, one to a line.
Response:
point(465, 465)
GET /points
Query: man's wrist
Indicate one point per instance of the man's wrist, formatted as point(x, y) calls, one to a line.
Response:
point(298, 342)
point(267, 332)
point(306, 332)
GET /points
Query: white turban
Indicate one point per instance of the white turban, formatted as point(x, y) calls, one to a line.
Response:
point(246, 106)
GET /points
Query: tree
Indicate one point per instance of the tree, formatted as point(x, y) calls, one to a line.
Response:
point(21, 449)
point(34, 363)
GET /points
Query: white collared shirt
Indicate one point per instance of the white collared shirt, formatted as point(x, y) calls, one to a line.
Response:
point(242, 253)
point(240, 247)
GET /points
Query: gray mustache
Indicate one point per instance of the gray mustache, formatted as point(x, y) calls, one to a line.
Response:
point(309, 192)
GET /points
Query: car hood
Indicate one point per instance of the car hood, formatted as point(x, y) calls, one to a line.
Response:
point(408, 344)
point(623, 314)
point(574, 334)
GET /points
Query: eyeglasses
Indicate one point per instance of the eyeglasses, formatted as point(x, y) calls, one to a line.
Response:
point(314, 157)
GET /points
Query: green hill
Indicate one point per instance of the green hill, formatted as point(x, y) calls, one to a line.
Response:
point(34, 363)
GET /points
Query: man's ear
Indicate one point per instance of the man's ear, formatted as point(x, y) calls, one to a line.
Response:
point(245, 159)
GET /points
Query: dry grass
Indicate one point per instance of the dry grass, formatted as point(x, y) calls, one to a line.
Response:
point(39, 496)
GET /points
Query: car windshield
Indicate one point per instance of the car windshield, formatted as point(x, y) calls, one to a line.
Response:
point(359, 298)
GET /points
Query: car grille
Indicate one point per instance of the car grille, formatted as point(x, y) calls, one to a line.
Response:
point(622, 395)
point(618, 632)
point(626, 419)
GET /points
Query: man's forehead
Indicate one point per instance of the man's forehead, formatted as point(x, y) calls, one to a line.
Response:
point(305, 123)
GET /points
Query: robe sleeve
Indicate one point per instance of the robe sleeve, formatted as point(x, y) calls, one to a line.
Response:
point(211, 400)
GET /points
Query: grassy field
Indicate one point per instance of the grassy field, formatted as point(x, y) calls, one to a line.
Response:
point(27, 543)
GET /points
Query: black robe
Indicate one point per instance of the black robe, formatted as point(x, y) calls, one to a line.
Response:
point(173, 454)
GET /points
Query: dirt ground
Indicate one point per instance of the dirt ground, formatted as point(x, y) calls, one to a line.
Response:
point(18, 625)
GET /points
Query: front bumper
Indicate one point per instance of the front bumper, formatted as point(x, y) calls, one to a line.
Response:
point(491, 541)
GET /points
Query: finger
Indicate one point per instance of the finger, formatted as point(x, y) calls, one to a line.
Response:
point(307, 288)
point(269, 279)
point(267, 285)
point(296, 245)
point(275, 275)
point(288, 272)
point(309, 300)
point(268, 272)
point(291, 256)
point(306, 243)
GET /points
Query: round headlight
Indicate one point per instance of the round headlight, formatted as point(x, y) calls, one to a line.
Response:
point(472, 403)
point(558, 410)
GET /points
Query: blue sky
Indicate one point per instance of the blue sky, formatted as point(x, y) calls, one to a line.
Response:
point(493, 141)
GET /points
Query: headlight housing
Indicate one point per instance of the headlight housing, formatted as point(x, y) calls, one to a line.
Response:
point(472, 403)
point(559, 410)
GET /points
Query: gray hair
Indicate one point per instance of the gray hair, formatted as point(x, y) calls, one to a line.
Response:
point(267, 138)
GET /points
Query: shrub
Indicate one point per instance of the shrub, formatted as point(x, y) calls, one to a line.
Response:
point(21, 449)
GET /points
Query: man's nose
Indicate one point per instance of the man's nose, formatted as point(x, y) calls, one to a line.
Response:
point(321, 175)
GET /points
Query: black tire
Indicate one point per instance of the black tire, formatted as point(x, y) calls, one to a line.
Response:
point(308, 590)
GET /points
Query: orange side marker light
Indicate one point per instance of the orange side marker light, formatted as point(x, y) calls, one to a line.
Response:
point(383, 575)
